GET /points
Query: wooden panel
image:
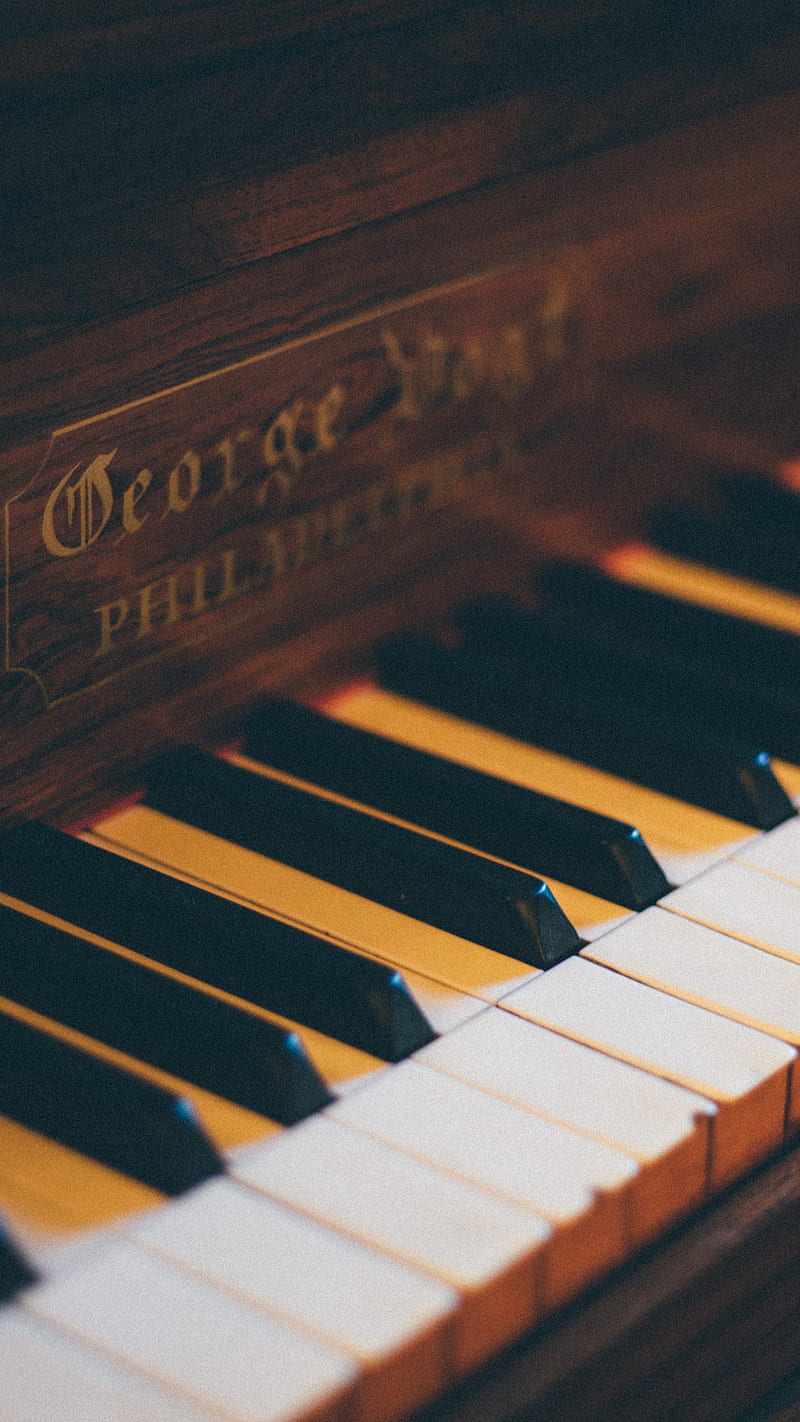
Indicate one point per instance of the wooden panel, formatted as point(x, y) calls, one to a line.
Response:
point(349, 438)
point(162, 151)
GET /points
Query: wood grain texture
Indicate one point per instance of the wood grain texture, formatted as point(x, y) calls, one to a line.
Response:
point(124, 187)
point(675, 235)
point(618, 254)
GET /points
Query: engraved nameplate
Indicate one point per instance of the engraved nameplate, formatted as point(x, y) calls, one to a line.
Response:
point(142, 524)
point(181, 548)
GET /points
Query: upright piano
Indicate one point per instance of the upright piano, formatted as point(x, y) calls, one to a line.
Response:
point(330, 336)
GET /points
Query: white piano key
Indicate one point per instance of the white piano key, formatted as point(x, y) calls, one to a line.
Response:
point(777, 852)
point(744, 1071)
point(685, 839)
point(66, 1207)
point(697, 963)
point(487, 1249)
point(664, 1127)
point(749, 905)
point(208, 1348)
point(46, 1375)
point(581, 1187)
point(444, 1007)
point(391, 1319)
point(745, 903)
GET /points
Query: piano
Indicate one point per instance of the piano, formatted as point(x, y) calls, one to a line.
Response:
point(399, 417)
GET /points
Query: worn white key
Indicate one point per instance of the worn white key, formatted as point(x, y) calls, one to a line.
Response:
point(746, 903)
point(213, 1350)
point(749, 905)
point(444, 1007)
point(392, 1320)
point(662, 1126)
point(348, 918)
point(697, 963)
point(744, 1071)
point(683, 838)
point(487, 1249)
point(46, 1376)
point(580, 1186)
point(776, 852)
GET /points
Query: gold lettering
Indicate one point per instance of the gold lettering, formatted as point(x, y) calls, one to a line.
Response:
point(162, 594)
point(91, 495)
point(177, 500)
point(228, 448)
point(130, 521)
point(469, 371)
point(280, 450)
point(325, 416)
point(273, 561)
point(200, 600)
point(294, 545)
point(229, 587)
point(509, 365)
point(433, 369)
point(408, 406)
point(554, 319)
point(112, 615)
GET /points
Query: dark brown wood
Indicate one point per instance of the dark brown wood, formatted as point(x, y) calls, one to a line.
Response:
point(192, 142)
point(445, 373)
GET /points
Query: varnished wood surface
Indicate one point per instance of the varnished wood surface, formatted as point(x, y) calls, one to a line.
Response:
point(157, 149)
point(620, 255)
point(667, 238)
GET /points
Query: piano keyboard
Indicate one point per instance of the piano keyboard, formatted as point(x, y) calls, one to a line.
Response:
point(380, 1197)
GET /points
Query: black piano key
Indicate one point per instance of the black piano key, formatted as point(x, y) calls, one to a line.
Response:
point(15, 1271)
point(748, 652)
point(661, 752)
point(612, 661)
point(732, 546)
point(111, 1115)
point(548, 836)
point(260, 959)
point(156, 1018)
point(450, 888)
